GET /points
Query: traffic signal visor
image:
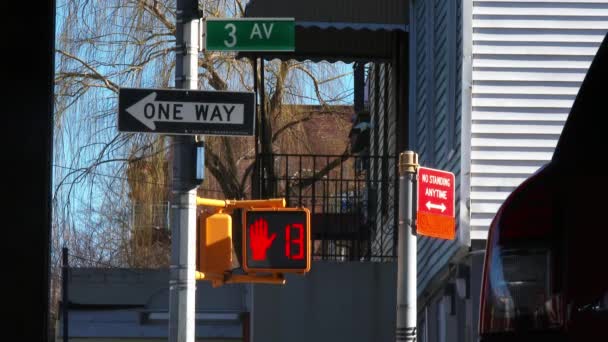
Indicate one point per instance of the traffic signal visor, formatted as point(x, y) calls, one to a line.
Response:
point(215, 252)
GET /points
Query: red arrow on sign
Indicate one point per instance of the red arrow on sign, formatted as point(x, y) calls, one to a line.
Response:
point(435, 216)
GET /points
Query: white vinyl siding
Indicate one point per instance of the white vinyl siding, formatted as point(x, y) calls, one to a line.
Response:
point(528, 61)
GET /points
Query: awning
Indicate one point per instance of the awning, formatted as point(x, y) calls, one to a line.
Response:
point(337, 30)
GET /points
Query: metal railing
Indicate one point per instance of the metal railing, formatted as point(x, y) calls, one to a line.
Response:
point(350, 198)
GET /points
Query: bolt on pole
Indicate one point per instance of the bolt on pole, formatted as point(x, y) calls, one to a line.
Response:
point(182, 282)
point(407, 248)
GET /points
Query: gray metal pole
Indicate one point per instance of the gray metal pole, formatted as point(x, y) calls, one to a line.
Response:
point(182, 284)
point(64, 293)
point(406, 262)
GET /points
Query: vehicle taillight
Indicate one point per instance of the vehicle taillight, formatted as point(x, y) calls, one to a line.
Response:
point(522, 285)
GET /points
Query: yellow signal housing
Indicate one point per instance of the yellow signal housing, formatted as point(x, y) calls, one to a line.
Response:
point(216, 244)
point(231, 204)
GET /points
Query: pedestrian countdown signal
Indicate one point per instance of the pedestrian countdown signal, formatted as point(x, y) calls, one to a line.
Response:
point(276, 240)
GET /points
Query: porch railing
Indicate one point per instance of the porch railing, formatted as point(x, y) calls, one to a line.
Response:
point(350, 198)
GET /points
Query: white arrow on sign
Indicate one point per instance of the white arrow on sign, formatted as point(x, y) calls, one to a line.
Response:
point(148, 111)
point(430, 206)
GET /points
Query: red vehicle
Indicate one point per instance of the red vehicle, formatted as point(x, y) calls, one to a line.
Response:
point(546, 264)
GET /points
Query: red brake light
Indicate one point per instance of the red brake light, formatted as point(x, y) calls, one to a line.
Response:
point(521, 288)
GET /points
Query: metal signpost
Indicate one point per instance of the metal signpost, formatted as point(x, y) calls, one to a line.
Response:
point(188, 112)
point(407, 249)
point(427, 195)
point(182, 282)
point(249, 34)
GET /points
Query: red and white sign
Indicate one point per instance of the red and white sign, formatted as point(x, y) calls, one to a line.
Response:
point(435, 216)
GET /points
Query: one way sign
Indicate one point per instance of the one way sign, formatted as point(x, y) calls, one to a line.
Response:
point(184, 111)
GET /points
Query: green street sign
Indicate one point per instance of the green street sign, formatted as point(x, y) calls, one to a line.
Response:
point(250, 34)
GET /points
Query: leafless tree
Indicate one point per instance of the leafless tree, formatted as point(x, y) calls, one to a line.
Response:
point(106, 182)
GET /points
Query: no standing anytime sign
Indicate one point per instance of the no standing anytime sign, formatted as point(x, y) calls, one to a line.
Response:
point(435, 216)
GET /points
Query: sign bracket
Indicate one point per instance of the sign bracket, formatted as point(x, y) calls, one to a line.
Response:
point(202, 34)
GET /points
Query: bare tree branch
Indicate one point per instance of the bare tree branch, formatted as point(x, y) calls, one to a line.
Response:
point(109, 84)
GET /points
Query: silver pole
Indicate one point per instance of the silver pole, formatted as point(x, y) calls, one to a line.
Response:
point(406, 262)
point(182, 284)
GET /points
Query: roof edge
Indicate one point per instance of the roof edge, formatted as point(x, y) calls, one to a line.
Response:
point(352, 26)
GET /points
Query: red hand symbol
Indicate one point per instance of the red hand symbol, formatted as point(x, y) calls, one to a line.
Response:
point(258, 234)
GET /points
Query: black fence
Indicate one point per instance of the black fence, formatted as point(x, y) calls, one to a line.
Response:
point(352, 200)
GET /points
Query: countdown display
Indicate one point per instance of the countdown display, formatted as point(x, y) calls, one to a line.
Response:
point(276, 240)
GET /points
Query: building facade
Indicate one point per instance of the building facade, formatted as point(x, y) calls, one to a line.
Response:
point(480, 88)
point(491, 84)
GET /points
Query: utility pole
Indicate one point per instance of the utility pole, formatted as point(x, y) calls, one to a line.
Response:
point(182, 283)
point(406, 255)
